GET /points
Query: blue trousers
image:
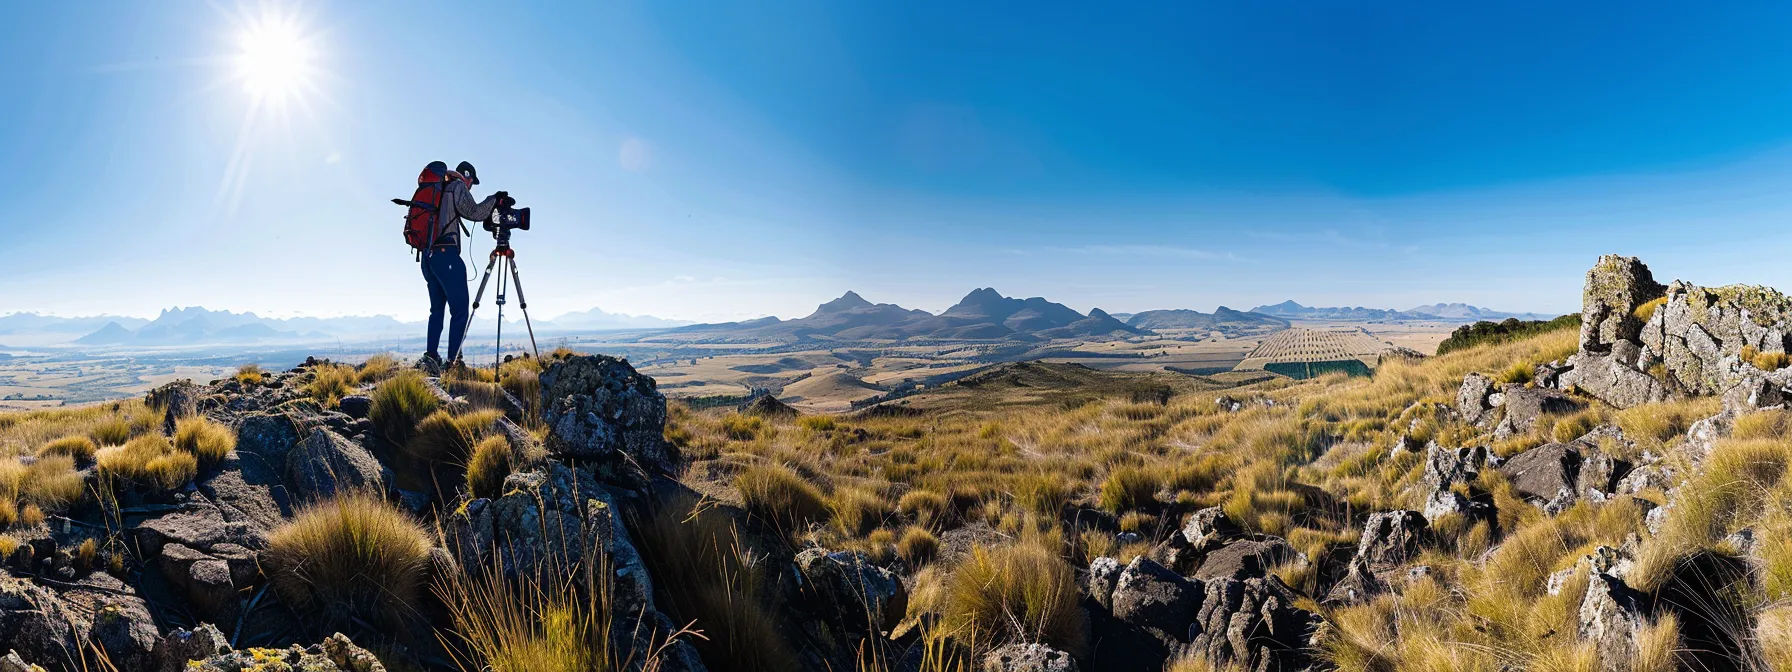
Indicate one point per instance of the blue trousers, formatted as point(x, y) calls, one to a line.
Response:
point(446, 274)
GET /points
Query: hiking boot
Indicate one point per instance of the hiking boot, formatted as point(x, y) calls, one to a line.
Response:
point(430, 364)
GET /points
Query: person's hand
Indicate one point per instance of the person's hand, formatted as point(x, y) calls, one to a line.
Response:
point(504, 199)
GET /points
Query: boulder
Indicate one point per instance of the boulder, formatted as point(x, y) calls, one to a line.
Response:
point(325, 464)
point(1524, 405)
point(1104, 573)
point(1392, 537)
point(1445, 467)
point(116, 620)
point(597, 406)
point(1612, 381)
point(1472, 399)
point(1541, 474)
point(855, 589)
point(356, 406)
point(13, 662)
point(1028, 658)
point(1160, 601)
point(1615, 286)
point(182, 646)
point(1246, 558)
point(204, 580)
point(268, 436)
point(1208, 527)
point(1359, 584)
point(334, 654)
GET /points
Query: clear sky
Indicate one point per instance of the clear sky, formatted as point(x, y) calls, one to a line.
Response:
point(721, 160)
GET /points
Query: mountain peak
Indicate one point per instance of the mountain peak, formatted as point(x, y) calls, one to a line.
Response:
point(847, 301)
point(1099, 314)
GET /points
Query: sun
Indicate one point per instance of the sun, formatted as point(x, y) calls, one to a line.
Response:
point(275, 63)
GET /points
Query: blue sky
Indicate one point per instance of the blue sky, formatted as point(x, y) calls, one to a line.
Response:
point(733, 159)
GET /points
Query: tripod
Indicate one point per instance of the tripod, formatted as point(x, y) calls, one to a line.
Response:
point(504, 258)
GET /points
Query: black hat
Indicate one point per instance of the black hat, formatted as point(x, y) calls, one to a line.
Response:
point(467, 169)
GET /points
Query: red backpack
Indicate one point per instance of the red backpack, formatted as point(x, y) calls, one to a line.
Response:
point(422, 225)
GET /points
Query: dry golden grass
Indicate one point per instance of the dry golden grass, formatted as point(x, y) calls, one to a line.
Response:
point(492, 462)
point(1021, 592)
point(149, 461)
point(206, 440)
point(447, 438)
point(329, 382)
point(696, 554)
point(81, 448)
point(399, 404)
point(780, 497)
point(24, 432)
point(250, 375)
point(917, 546)
point(351, 557)
point(377, 369)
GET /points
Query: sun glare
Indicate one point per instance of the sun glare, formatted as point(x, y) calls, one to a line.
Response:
point(275, 61)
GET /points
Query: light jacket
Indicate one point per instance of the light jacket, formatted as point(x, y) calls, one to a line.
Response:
point(458, 204)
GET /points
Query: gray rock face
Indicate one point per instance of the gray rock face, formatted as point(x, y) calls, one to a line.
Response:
point(268, 436)
point(1472, 401)
point(1615, 382)
point(1542, 473)
point(119, 622)
point(36, 623)
point(334, 654)
point(597, 406)
point(1208, 526)
point(205, 580)
point(325, 464)
point(1615, 287)
point(1359, 584)
point(1104, 573)
point(1252, 624)
point(1028, 658)
point(1445, 467)
point(356, 406)
point(1156, 599)
point(1392, 537)
point(1610, 616)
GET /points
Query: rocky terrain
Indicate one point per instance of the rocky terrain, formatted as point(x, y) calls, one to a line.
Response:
point(1612, 499)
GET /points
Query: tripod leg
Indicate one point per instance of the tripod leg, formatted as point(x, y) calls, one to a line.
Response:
point(498, 343)
point(480, 295)
point(517, 280)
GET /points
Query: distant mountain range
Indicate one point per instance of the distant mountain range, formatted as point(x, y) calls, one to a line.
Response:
point(982, 314)
point(1222, 319)
point(199, 326)
point(1441, 312)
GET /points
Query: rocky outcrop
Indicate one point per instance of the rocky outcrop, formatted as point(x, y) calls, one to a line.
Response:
point(1473, 403)
point(1692, 339)
point(854, 589)
point(1246, 558)
point(183, 646)
point(335, 654)
point(1525, 405)
point(1253, 624)
point(1611, 615)
point(1392, 537)
point(35, 622)
point(1028, 658)
point(599, 407)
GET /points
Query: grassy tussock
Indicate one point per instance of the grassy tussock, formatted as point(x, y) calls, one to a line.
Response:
point(23, 433)
point(376, 369)
point(1128, 488)
point(399, 404)
point(249, 375)
point(352, 557)
point(781, 498)
point(77, 447)
point(858, 511)
point(329, 382)
point(917, 546)
point(447, 438)
point(206, 440)
point(1021, 592)
point(149, 462)
point(493, 461)
point(1653, 426)
point(703, 571)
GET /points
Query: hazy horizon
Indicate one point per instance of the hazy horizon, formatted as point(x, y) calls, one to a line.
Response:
point(735, 161)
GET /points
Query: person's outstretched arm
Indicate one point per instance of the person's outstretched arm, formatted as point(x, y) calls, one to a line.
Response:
point(469, 209)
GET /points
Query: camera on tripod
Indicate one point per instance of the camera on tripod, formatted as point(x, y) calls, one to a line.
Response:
point(507, 217)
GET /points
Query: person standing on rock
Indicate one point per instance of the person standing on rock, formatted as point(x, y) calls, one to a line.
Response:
point(443, 268)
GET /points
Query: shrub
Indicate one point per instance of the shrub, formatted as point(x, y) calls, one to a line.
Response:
point(492, 462)
point(80, 448)
point(377, 368)
point(330, 382)
point(206, 440)
point(1021, 592)
point(779, 497)
point(148, 461)
point(695, 555)
point(1128, 488)
point(249, 375)
point(443, 437)
point(351, 557)
point(922, 506)
point(1510, 329)
point(399, 404)
point(917, 546)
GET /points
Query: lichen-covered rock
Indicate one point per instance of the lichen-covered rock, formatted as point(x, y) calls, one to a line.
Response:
point(268, 436)
point(1208, 527)
point(850, 590)
point(1028, 658)
point(1541, 474)
point(356, 406)
point(1445, 467)
point(325, 464)
point(598, 406)
point(1611, 614)
point(115, 619)
point(1104, 573)
point(35, 622)
point(1613, 381)
point(13, 662)
point(1246, 558)
point(204, 580)
point(177, 400)
point(1524, 405)
point(334, 654)
point(182, 646)
point(1472, 402)
point(1615, 287)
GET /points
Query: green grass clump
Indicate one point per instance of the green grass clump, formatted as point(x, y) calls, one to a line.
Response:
point(444, 437)
point(857, 511)
point(353, 557)
point(113, 431)
point(148, 461)
point(80, 448)
point(1128, 488)
point(779, 497)
point(204, 439)
point(1022, 592)
point(400, 403)
point(491, 463)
